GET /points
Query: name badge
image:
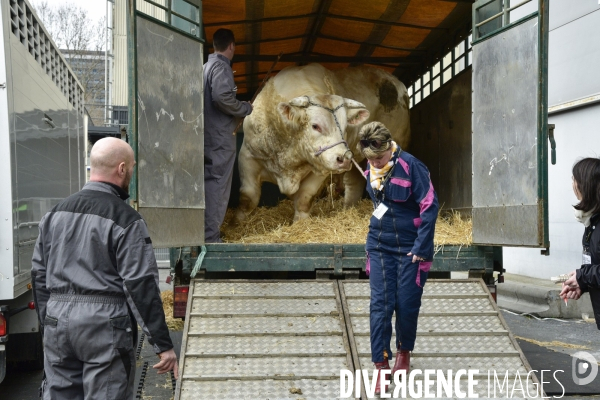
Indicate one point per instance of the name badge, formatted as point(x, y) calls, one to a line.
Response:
point(380, 210)
point(586, 259)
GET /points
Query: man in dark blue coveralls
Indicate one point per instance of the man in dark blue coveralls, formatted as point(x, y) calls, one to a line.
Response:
point(399, 244)
point(221, 115)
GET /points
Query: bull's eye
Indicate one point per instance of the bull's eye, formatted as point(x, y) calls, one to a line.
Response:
point(316, 127)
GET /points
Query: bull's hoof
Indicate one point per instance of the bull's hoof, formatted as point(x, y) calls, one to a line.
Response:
point(239, 217)
point(299, 215)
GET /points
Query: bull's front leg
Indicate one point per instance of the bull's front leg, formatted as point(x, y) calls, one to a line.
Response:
point(354, 185)
point(250, 189)
point(305, 196)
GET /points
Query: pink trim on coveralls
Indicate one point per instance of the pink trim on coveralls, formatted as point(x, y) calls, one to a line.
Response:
point(404, 165)
point(428, 200)
point(424, 266)
point(417, 222)
point(401, 182)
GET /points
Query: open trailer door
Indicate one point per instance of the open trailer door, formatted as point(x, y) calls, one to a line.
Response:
point(510, 122)
point(166, 126)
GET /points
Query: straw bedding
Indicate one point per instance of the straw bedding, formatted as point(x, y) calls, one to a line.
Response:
point(172, 323)
point(330, 222)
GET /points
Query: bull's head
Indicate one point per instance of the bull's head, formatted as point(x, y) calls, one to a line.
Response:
point(320, 124)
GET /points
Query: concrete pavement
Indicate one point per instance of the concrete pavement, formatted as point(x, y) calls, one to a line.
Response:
point(523, 294)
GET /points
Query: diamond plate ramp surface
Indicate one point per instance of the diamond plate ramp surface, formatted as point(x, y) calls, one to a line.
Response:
point(459, 328)
point(263, 339)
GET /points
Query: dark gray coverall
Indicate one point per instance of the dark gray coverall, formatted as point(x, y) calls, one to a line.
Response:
point(221, 115)
point(93, 269)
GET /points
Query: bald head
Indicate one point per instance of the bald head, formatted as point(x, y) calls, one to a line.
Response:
point(111, 160)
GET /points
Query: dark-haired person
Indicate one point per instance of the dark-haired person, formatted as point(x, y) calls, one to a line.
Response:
point(221, 114)
point(586, 185)
point(399, 244)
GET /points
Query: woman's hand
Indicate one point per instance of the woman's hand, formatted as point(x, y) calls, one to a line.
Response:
point(572, 281)
point(570, 288)
point(415, 257)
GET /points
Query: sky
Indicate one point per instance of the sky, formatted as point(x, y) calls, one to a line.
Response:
point(96, 8)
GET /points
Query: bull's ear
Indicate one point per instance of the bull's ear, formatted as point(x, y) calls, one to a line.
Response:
point(349, 103)
point(357, 112)
point(302, 101)
point(357, 115)
point(290, 114)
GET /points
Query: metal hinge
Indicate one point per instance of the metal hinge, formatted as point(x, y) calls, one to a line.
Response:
point(338, 263)
point(552, 143)
point(3, 85)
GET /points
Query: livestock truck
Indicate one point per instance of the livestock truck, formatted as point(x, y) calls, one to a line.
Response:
point(476, 73)
point(42, 148)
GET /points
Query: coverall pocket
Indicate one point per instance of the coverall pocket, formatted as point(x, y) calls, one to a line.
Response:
point(51, 339)
point(399, 189)
point(123, 350)
point(423, 272)
point(122, 332)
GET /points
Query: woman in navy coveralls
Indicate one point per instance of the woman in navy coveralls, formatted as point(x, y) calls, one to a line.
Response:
point(399, 243)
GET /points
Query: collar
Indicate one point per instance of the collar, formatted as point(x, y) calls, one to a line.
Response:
point(221, 57)
point(107, 187)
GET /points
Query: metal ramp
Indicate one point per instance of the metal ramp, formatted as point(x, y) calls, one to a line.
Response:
point(460, 327)
point(263, 339)
point(290, 339)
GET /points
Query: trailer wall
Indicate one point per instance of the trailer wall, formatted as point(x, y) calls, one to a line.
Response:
point(441, 138)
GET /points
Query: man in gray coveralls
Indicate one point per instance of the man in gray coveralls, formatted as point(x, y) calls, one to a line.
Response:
point(95, 279)
point(221, 115)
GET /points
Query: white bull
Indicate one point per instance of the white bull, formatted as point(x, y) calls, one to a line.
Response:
point(305, 125)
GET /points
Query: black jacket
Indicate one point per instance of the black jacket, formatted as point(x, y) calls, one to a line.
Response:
point(588, 276)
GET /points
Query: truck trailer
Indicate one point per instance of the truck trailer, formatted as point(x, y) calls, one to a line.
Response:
point(476, 73)
point(42, 153)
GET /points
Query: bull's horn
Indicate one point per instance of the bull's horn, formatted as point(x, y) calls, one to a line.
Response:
point(301, 101)
point(349, 103)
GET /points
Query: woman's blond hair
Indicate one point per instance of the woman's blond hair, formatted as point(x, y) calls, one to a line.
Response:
point(375, 131)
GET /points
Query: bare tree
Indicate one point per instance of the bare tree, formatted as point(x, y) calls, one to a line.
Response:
point(81, 40)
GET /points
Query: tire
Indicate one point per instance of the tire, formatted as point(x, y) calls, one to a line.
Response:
point(25, 351)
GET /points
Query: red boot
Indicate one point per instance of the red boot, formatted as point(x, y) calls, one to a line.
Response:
point(402, 361)
point(385, 365)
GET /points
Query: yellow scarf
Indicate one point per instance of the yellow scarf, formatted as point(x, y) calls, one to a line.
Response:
point(377, 174)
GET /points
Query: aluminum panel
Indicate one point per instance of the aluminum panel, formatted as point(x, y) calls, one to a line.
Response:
point(505, 133)
point(260, 389)
point(258, 339)
point(451, 342)
point(471, 346)
point(266, 345)
point(264, 289)
point(499, 224)
point(244, 368)
point(432, 287)
point(266, 307)
point(440, 324)
point(170, 143)
point(167, 228)
point(265, 325)
point(437, 306)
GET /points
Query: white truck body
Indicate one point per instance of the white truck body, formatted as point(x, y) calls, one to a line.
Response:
point(42, 148)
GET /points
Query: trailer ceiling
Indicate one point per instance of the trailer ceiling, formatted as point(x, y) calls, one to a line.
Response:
point(403, 37)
